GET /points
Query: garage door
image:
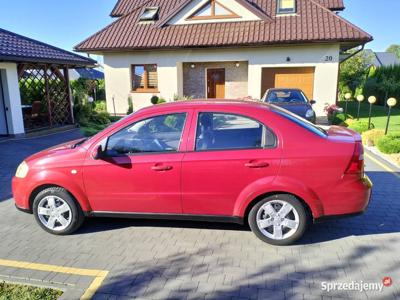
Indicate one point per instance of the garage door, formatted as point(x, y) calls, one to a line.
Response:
point(299, 78)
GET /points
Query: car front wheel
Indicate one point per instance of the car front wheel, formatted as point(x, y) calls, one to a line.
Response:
point(57, 212)
point(278, 220)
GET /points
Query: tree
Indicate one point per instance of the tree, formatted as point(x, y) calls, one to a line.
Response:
point(354, 72)
point(394, 49)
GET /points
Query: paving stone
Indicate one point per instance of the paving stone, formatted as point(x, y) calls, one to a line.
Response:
point(188, 260)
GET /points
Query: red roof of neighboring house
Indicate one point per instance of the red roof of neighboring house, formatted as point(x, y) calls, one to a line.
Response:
point(332, 4)
point(314, 22)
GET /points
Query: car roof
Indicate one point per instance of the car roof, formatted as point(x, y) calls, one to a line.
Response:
point(202, 103)
point(286, 89)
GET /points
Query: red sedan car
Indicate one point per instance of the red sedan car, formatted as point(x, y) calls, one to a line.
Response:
point(228, 161)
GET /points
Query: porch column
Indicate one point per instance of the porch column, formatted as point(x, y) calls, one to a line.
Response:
point(69, 92)
point(179, 68)
point(254, 81)
point(9, 77)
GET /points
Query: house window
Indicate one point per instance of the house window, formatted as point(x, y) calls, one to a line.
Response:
point(149, 14)
point(144, 78)
point(213, 10)
point(286, 6)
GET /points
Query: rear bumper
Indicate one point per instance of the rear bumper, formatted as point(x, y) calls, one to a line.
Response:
point(349, 201)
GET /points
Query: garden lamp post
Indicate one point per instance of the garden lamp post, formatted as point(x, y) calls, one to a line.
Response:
point(360, 98)
point(347, 97)
point(391, 102)
point(371, 101)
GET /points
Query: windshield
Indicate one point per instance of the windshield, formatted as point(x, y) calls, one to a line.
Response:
point(286, 96)
point(299, 121)
point(83, 141)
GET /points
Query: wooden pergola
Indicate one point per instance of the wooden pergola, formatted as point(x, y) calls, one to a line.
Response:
point(43, 79)
point(45, 94)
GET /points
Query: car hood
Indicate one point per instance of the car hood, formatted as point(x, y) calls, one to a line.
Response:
point(55, 153)
point(297, 108)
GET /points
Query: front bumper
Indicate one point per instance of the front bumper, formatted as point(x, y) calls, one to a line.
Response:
point(20, 194)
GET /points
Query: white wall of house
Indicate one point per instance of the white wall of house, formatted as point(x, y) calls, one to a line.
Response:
point(325, 59)
point(12, 98)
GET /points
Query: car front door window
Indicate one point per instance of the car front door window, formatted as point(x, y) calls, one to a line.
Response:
point(153, 135)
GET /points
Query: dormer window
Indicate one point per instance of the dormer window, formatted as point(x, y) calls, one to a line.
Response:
point(286, 6)
point(149, 14)
point(213, 10)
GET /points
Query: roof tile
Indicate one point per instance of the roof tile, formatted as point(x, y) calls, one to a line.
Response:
point(14, 47)
point(314, 22)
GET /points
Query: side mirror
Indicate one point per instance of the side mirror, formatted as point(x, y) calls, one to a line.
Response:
point(98, 153)
point(312, 102)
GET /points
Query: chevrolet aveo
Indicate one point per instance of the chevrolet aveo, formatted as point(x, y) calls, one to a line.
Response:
point(228, 161)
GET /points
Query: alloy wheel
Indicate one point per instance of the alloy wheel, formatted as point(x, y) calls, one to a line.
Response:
point(278, 220)
point(54, 213)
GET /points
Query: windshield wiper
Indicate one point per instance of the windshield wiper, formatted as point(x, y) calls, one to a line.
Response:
point(79, 143)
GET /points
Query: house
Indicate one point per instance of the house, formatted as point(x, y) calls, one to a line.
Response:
point(86, 73)
point(382, 59)
point(222, 49)
point(34, 89)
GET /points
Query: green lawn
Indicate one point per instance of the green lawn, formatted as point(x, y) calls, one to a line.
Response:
point(379, 115)
point(23, 292)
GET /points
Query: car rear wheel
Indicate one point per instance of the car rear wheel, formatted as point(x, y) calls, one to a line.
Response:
point(57, 212)
point(278, 220)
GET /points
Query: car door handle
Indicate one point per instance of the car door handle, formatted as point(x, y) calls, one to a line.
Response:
point(257, 164)
point(160, 168)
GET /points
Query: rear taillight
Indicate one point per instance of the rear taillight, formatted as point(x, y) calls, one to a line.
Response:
point(356, 165)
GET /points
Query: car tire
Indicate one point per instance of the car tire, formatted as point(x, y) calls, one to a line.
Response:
point(292, 221)
point(57, 212)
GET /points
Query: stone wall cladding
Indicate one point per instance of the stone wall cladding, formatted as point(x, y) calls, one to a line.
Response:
point(236, 79)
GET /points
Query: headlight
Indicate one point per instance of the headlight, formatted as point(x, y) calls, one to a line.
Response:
point(309, 113)
point(22, 170)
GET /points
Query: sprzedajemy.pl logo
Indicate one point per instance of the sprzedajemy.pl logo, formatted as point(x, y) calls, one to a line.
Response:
point(359, 286)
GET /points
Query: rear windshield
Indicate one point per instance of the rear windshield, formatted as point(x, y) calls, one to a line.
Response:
point(299, 121)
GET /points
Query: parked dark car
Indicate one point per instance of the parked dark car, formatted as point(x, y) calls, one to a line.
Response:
point(294, 100)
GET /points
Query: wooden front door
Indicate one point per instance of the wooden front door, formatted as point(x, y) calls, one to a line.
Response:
point(215, 83)
point(299, 78)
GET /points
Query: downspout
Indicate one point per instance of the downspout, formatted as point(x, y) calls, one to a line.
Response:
point(350, 56)
point(353, 54)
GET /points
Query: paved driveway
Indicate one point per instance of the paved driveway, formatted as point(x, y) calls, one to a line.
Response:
point(179, 260)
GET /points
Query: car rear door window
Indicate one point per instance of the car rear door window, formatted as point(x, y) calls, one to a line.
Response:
point(221, 131)
point(153, 135)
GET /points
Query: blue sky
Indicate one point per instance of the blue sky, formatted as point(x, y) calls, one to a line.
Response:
point(66, 23)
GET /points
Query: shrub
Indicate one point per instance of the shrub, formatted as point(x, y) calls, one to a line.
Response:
point(390, 144)
point(130, 106)
point(161, 100)
point(348, 122)
point(371, 137)
point(359, 126)
point(102, 118)
point(100, 106)
point(91, 129)
point(338, 118)
point(114, 119)
point(183, 98)
point(154, 100)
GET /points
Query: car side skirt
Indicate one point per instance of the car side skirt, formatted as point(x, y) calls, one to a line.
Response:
point(337, 217)
point(158, 216)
